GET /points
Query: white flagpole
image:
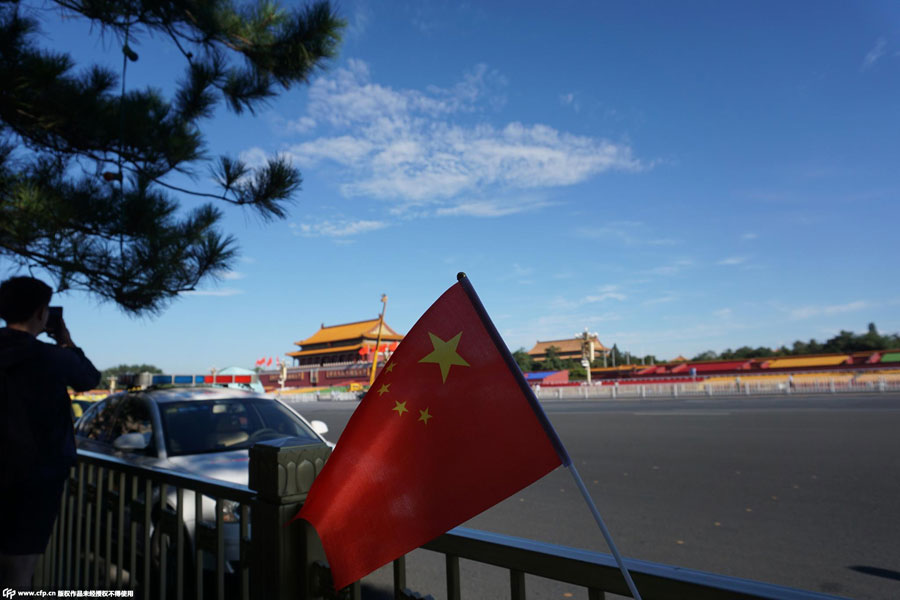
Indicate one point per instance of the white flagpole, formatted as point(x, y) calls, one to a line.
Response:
point(604, 530)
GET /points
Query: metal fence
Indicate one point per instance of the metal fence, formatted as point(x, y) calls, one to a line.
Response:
point(329, 396)
point(167, 535)
point(700, 388)
point(163, 534)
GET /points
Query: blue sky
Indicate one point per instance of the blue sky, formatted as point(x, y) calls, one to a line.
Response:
point(676, 177)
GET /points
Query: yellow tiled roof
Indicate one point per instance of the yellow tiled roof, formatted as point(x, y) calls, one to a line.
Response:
point(351, 331)
point(812, 361)
point(617, 368)
point(325, 350)
point(565, 346)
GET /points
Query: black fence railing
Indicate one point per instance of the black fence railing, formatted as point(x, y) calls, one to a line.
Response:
point(165, 535)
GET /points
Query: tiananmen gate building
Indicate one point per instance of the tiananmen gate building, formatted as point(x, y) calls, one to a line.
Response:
point(336, 355)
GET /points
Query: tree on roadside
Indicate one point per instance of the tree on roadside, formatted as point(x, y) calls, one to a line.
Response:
point(87, 164)
point(524, 360)
point(127, 370)
point(552, 361)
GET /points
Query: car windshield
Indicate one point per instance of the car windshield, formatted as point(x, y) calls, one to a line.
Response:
point(200, 426)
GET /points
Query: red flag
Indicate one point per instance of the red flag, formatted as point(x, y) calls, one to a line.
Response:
point(269, 363)
point(448, 429)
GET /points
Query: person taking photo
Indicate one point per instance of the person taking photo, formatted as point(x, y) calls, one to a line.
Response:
point(37, 442)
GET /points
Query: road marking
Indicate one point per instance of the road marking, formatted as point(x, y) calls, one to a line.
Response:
point(682, 413)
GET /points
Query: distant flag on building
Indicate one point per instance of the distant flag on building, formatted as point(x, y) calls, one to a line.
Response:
point(448, 429)
point(269, 362)
point(260, 361)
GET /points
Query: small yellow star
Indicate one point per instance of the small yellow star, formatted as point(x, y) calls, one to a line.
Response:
point(400, 407)
point(390, 367)
point(444, 354)
point(385, 387)
point(424, 416)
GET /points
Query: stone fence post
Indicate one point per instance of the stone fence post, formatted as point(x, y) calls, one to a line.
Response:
point(281, 555)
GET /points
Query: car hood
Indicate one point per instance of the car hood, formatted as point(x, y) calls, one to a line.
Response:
point(232, 467)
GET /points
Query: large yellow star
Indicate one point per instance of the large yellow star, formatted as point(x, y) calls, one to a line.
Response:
point(444, 354)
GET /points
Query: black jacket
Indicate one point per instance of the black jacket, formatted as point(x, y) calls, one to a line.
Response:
point(36, 437)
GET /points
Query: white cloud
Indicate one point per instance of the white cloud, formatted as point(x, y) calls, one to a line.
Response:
point(302, 125)
point(411, 148)
point(558, 326)
point(520, 271)
point(570, 100)
point(807, 312)
point(732, 260)
point(490, 208)
point(232, 275)
point(723, 313)
point(630, 233)
point(338, 229)
point(749, 236)
point(345, 150)
point(665, 298)
point(604, 296)
point(358, 23)
point(607, 292)
point(254, 157)
point(671, 269)
point(873, 56)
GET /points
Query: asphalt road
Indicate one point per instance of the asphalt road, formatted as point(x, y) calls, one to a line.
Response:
point(802, 491)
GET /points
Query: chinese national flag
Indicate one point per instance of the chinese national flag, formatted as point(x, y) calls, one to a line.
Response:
point(448, 429)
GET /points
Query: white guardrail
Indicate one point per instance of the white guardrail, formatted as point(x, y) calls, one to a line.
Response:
point(700, 388)
point(657, 390)
point(317, 396)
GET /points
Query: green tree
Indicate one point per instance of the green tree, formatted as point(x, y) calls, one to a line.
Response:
point(552, 361)
point(842, 342)
point(126, 370)
point(524, 360)
point(616, 357)
point(708, 355)
point(747, 352)
point(87, 166)
point(576, 371)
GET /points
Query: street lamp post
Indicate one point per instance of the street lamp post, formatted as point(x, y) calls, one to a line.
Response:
point(587, 351)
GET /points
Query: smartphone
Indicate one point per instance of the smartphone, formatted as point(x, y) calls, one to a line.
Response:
point(54, 321)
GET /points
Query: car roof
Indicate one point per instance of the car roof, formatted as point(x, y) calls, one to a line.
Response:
point(165, 395)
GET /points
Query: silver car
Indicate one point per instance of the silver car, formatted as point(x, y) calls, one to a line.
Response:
point(200, 431)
